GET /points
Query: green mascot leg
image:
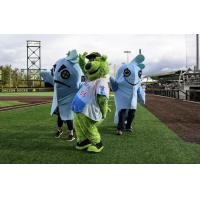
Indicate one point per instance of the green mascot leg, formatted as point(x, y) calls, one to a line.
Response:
point(87, 133)
point(79, 128)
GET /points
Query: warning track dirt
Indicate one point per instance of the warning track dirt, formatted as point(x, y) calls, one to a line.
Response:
point(28, 101)
point(182, 117)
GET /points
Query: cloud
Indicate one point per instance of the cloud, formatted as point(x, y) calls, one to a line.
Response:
point(161, 51)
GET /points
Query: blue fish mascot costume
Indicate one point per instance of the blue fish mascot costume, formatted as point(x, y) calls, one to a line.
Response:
point(47, 77)
point(67, 81)
point(91, 102)
point(127, 91)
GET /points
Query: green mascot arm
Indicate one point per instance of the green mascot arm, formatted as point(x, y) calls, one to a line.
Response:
point(103, 104)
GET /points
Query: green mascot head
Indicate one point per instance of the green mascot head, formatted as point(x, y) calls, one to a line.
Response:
point(96, 65)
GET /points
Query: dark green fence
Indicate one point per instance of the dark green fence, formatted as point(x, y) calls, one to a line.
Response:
point(26, 89)
point(190, 95)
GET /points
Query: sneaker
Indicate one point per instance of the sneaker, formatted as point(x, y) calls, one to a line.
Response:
point(70, 138)
point(119, 132)
point(83, 145)
point(96, 148)
point(130, 130)
point(59, 133)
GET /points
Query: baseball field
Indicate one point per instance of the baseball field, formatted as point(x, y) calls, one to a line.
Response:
point(27, 136)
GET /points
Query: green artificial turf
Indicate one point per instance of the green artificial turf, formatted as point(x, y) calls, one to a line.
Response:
point(9, 103)
point(27, 136)
point(26, 93)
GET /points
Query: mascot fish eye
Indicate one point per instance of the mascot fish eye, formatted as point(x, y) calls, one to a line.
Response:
point(91, 102)
point(127, 91)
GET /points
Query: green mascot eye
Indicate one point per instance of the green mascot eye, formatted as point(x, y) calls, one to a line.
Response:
point(127, 72)
point(65, 74)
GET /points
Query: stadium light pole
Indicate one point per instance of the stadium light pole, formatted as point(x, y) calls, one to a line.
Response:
point(127, 54)
point(197, 52)
point(114, 68)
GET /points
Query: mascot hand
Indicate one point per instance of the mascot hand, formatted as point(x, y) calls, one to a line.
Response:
point(99, 122)
point(85, 54)
point(108, 109)
point(105, 114)
point(82, 61)
point(82, 56)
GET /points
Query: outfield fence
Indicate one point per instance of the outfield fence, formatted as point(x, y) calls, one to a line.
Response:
point(190, 95)
point(23, 89)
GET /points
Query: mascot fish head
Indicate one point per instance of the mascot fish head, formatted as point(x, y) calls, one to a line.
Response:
point(131, 73)
point(96, 66)
point(66, 71)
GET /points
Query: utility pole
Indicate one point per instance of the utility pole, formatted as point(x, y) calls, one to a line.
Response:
point(197, 53)
point(10, 76)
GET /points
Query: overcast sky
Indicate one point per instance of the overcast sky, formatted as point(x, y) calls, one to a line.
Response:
point(163, 52)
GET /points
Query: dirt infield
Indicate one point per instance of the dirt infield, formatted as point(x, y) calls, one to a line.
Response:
point(28, 101)
point(181, 116)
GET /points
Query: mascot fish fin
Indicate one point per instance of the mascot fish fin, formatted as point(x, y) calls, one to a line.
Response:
point(138, 59)
point(72, 56)
point(141, 66)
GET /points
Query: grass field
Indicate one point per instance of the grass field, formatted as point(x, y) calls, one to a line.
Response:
point(29, 138)
point(9, 103)
point(26, 93)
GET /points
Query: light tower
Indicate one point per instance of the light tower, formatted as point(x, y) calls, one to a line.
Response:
point(33, 61)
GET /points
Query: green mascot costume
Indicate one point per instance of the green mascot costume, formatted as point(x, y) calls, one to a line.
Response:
point(90, 104)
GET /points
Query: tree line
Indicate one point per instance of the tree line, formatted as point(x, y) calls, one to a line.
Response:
point(10, 77)
point(13, 78)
